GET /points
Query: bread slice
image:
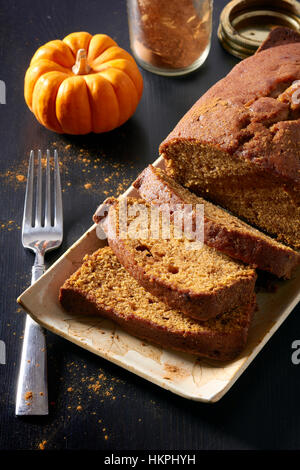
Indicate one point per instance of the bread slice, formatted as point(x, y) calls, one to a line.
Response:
point(222, 230)
point(195, 279)
point(103, 287)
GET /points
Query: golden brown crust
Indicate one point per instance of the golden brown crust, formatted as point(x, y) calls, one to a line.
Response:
point(102, 210)
point(81, 295)
point(242, 115)
point(226, 233)
point(279, 36)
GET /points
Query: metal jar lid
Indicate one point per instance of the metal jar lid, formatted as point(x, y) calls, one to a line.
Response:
point(245, 24)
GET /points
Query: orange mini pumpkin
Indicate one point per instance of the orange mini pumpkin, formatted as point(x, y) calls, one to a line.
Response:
point(82, 84)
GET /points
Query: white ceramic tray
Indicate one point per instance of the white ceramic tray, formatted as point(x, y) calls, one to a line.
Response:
point(183, 374)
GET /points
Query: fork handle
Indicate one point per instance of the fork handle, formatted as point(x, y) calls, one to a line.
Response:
point(37, 271)
point(32, 390)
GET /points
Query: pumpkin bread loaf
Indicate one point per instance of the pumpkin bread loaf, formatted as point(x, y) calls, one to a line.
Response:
point(191, 277)
point(239, 145)
point(222, 231)
point(103, 287)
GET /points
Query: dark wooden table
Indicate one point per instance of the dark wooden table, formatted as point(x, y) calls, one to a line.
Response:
point(261, 411)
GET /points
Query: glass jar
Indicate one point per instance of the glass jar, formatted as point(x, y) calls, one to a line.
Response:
point(170, 37)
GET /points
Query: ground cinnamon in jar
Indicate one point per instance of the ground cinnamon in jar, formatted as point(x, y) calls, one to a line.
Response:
point(170, 34)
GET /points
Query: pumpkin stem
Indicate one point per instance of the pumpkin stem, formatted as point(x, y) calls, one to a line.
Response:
point(81, 66)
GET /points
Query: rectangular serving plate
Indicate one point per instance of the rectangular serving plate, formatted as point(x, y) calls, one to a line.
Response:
point(186, 375)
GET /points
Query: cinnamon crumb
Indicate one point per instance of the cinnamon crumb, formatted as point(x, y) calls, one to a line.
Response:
point(20, 178)
point(95, 387)
point(28, 395)
point(42, 445)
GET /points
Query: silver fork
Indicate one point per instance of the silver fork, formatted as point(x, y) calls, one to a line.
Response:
point(39, 236)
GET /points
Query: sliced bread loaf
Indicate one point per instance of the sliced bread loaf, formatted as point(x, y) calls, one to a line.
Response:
point(239, 145)
point(222, 230)
point(102, 286)
point(195, 279)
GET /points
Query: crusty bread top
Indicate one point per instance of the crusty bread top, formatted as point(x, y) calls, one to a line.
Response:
point(279, 36)
point(242, 115)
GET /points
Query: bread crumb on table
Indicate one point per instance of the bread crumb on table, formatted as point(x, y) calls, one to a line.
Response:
point(20, 177)
point(28, 395)
point(42, 445)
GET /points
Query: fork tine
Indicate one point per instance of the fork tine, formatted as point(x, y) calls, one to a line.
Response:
point(27, 215)
point(58, 213)
point(38, 210)
point(48, 192)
